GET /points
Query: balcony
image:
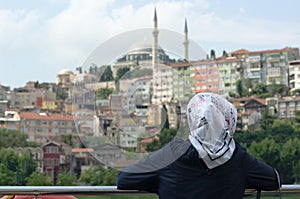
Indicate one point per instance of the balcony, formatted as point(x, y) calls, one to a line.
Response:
point(112, 192)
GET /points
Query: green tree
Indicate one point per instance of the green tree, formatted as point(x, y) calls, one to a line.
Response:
point(87, 176)
point(267, 121)
point(281, 131)
point(259, 89)
point(44, 85)
point(12, 138)
point(239, 87)
point(267, 151)
point(26, 166)
point(104, 93)
point(247, 137)
point(93, 177)
point(9, 158)
point(38, 179)
point(120, 73)
point(289, 157)
point(107, 75)
point(248, 84)
point(65, 179)
point(7, 177)
point(79, 69)
point(296, 172)
point(165, 120)
point(153, 146)
point(61, 94)
point(212, 54)
point(165, 136)
point(110, 177)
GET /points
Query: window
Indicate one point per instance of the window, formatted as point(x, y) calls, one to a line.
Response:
point(52, 149)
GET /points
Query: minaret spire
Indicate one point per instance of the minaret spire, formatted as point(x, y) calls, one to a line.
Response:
point(186, 41)
point(155, 18)
point(155, 40)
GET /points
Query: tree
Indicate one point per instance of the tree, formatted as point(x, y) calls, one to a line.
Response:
point(165, 119)
point(121, 72)
point(7, 177)
point(267, 121)
point(289, 157)
point(247, 137)
point(65, 179)
point(165, 136)
point(259, 89)
point(61, 94)
point(38, 179)
point(267, 151)
point(26, 166)
point(104, 93)
point(93, 176)
point(212, 54)
point(12, 138)
point(107, 75)
point(281, 131)
point(44, 85)
point(239, 87)
point(79, 69)
point(110, 177)
point(153, 146)
point(87, 176)
point(9, 158)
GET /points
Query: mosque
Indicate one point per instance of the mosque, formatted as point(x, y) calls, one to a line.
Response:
point(149, 54)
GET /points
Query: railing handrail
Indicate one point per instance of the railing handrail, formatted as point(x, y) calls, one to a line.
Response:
point(99, 190)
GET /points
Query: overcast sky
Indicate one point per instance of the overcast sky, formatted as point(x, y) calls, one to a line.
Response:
point(38, 38)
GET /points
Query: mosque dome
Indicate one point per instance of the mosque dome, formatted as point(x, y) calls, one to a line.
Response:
point(143, 52)
point(65, 72)
point(144, 47)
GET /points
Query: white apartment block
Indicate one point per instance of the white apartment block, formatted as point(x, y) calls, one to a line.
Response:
point(294, 75)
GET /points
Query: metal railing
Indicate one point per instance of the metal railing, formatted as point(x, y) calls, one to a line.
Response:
point(101, 190)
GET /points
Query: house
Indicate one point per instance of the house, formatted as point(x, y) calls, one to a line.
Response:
point(250, 111)
point(52, 152)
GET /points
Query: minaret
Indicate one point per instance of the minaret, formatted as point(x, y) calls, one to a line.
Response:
point(155, 41)
point(186, 41)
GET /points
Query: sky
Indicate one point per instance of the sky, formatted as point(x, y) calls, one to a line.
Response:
point(39, 38)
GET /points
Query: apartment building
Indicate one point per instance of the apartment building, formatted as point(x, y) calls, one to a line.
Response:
point(207, 78)
point(294, 75)
point(183, 81)
point(267, 66)
point(10, 120)
point(229, 72)
point(40, 127)
point(162, 84)
point(287, 107)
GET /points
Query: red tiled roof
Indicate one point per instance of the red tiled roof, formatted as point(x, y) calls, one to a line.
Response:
point(146, 140)
point(180, 64)
point(82, 150)
point(242, 50)
point(49, 116)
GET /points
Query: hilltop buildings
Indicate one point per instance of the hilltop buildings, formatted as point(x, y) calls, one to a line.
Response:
point(155, 90)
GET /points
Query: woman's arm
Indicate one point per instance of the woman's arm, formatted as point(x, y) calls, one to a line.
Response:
point(138, 181)
point(261, 176)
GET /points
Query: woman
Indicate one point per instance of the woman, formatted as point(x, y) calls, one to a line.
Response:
point(210, 164)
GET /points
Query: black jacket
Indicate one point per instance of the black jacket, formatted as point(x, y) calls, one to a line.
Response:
point(188, 177)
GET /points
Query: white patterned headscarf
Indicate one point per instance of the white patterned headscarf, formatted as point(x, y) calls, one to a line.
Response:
point(212, 122)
